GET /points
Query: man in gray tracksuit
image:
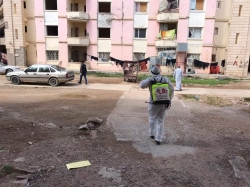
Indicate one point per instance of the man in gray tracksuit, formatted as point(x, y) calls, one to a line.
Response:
point(157, 112)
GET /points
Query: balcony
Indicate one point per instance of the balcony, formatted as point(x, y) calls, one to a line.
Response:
point(162, 43)
point(78, 16)
point(78, 41)
point(168, 16)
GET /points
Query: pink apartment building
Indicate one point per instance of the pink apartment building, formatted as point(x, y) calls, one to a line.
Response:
point(65, 30)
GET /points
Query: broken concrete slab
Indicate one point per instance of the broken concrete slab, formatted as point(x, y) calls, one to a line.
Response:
point(48, 125)
point(20, 159)
point(22, 177)
point(111, 173)
point(24, 171)
point(241, 169)
point(84, 127)
point(23, 182)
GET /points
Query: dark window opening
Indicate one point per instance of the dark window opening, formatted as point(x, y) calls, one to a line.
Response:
point(104, 32)
point(105, 7)
point(85, 8)
point(24, 4)
point(240, 9)
point(140, 33)
point(213, 58)
point(26, 30)
point(51, 4)
point(52, 30)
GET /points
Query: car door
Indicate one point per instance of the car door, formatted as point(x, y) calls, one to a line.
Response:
point(30, 74)
point(2, 69)
point(43, 74)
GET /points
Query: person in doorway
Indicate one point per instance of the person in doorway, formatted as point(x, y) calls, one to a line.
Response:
point(83, 73)
point(157, 112)
point(178, 74)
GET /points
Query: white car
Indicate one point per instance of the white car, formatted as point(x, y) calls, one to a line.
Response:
point(4, 69)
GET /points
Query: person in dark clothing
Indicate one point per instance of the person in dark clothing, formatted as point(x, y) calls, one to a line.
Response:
point(83, 72)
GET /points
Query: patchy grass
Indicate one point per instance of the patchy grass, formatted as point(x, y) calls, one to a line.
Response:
point(189, 80)
point(7, 170)
point(99, 74)
point(247, 99)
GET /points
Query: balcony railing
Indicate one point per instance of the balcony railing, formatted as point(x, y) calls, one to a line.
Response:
point(78, 16)
point(169, 11)
point(78, 41)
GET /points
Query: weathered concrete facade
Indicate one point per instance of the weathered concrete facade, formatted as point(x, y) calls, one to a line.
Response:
point(232, 37)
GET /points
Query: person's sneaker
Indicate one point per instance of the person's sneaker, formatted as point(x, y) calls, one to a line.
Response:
point(79, 83)
point(157, 142)
point(152, 137)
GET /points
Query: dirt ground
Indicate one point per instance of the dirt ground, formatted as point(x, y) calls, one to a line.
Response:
point(41, 125)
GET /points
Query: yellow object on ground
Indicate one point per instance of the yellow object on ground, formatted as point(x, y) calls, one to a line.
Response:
point(78, 164)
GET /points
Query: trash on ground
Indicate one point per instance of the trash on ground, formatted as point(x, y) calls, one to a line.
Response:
point(78, 164)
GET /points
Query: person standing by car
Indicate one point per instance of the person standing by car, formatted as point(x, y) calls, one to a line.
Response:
point(83, 72)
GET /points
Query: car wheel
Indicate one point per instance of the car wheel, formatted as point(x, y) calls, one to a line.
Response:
point(8, 71)
point(53, 82)
point(15, 80)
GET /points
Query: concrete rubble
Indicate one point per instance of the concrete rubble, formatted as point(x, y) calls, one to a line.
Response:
point(111, 173)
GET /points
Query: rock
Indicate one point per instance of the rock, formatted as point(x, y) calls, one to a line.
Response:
point(24, 171)
point(49, 125)
point(22, 177)
point(95, 120)
point(20, 159)
point(22, 182)
point(30, 143)
point(84, 127)
point(91, 125)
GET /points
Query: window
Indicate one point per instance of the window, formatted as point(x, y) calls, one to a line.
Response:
point(140, 33)
point(141, 7)
point(240, 8)
point(194, 56)
point(213, 58)
point(237, 37)
point(24, 4)
point(218, 4)
point(44, 69)
point(194, 32)
point(104, 7)
point(104, 57)
point(52, 55)
point(52, 70)
point(16, 33)
point(197, 5)
point(25, 28)
point(163, 26)
point(51, 4)
point(138, 56)
point(52, 30)
point(14, 8)
point(31, 69)
point(104, 32)
point(216, 31)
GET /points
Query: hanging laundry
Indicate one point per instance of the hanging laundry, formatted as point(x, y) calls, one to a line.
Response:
point(173, 62)
point(223, 62)
point(205, 65)
point(170, 34)
point(198, 64)
point(94, 58)
point(214, 64)
point(143, 66)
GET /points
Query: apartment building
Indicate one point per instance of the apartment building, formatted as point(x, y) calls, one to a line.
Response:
point(53, 31)
point(231, 40)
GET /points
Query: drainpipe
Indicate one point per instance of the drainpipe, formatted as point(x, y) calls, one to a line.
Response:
point(13, 31)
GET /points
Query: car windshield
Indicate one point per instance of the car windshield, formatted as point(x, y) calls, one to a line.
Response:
point(2, 64)
point(58, 68)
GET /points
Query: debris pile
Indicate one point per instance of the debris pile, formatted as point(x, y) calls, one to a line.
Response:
point(92, 124)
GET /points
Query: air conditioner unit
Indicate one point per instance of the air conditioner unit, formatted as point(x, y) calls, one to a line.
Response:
point(190, 62)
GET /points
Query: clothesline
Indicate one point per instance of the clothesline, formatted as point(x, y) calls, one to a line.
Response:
point(121, 62)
